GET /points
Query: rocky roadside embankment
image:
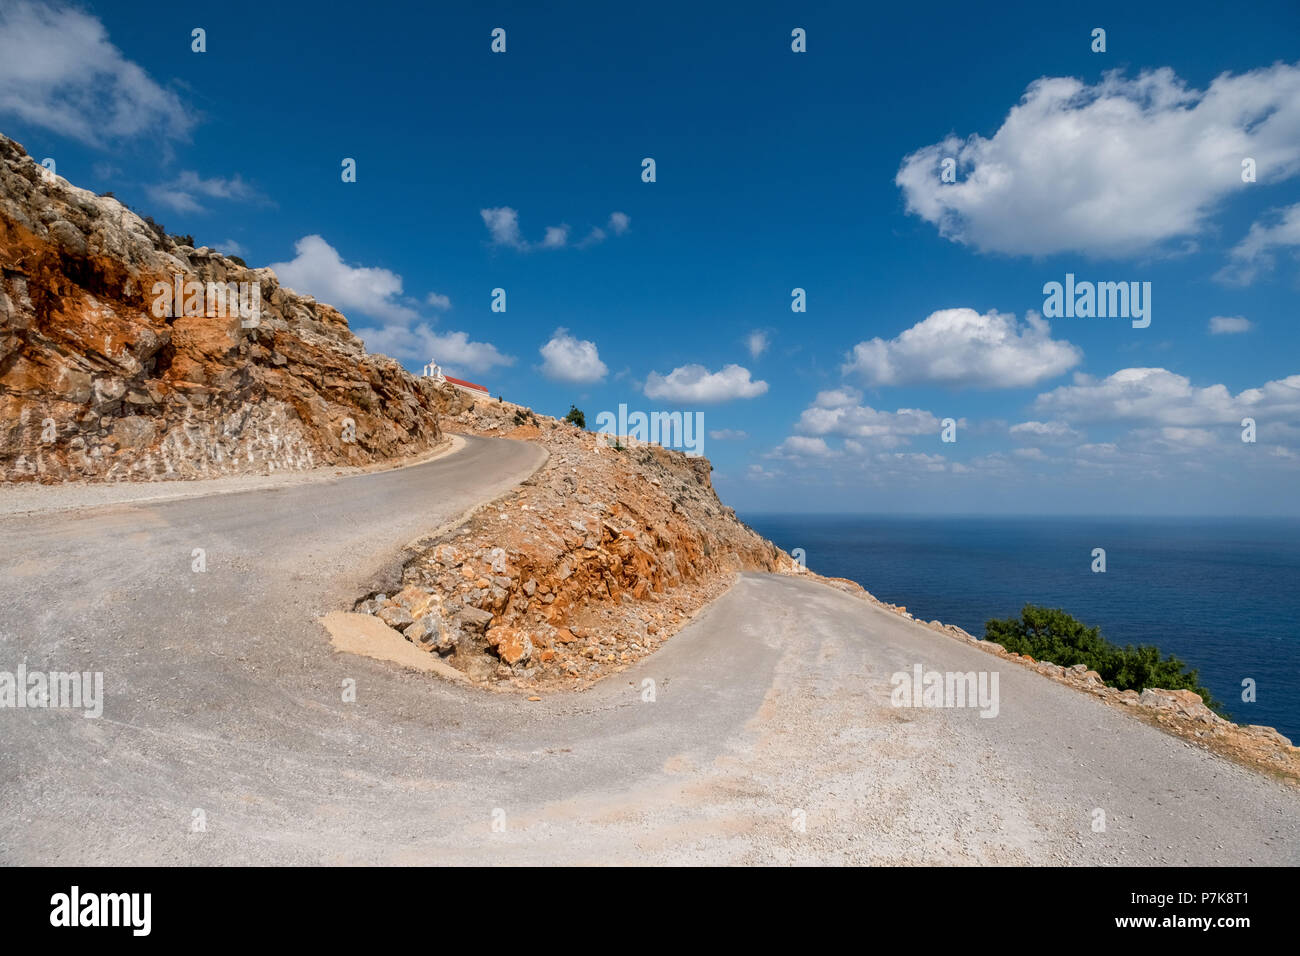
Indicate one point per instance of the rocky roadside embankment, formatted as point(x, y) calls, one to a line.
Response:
point(95, 386)
point(587, 567)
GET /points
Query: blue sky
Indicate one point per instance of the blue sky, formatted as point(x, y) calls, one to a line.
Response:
point(775, 170)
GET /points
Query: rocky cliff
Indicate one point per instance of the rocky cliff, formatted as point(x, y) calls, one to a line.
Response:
point(585, 568)
point(125, 354)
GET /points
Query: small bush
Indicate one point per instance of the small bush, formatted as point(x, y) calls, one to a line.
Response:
point(1050, 634)
point(238, 261)
point(576, 416)
point(157, 228)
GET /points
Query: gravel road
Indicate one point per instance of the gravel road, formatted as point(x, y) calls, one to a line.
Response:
point(761, 733)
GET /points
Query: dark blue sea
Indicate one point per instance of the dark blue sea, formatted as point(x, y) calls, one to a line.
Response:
point(1222, 594)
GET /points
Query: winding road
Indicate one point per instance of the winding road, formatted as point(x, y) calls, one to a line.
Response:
point(761, 733)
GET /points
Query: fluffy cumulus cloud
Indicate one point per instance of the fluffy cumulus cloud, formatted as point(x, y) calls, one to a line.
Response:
point(961, 347)
point(185, 192)
point(691, 384)
point(840, 413)
point(1119, 167)
point(1156, 396)
point(1229, 325)
point(728, 434)
point(567, 359)
point(503, 228)
point(1255, 253)
point(805, 446)
point(454, 351)
point(60, 71)
point(318, 270)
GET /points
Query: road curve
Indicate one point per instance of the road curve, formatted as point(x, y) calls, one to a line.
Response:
point(761, 733)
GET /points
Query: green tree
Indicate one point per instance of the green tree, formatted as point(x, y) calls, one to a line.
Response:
point(576, 416)
point(1050, 634)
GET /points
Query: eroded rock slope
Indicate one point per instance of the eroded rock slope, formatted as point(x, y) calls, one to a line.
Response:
point(95, 385)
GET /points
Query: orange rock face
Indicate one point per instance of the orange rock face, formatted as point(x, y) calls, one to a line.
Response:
point(96, 384)
point(589, 565)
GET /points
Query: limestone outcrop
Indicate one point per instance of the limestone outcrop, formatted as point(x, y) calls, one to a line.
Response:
point(107, 373)
point(585, 568)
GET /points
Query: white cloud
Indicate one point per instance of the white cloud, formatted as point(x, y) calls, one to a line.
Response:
point(183, 193)
point(1160, 397)
point(231, 248)
point(60, 71)
point(1254, 254)
point(728, 434)
point(1033, 454)
point(1171, 438)
point(1229, 325)
point(1112, 169)
point(1053, 432)
point(839, 412)
point(695, 383)
point(757, 342)
point(802, 446)
point(437, 301)
point(503, 225)
point(320, 271)
point(962, 347)
point(452, 350)
point(568, 359)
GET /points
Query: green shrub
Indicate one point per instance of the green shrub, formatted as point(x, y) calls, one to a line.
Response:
point(576, 416)
point(1049, 634)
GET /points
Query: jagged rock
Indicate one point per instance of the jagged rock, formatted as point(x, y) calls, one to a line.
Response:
point(95, 385)
point(513, 645)
point(475, 618)
point(433, 631)
point(395, 616)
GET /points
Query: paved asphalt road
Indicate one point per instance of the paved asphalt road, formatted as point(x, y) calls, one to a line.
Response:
point(769, 737)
